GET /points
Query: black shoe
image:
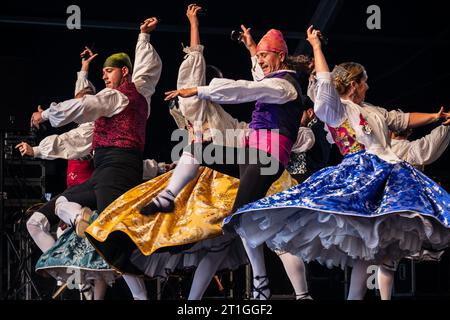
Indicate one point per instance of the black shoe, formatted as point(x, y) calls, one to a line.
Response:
point(260, 290)
point(155, 205)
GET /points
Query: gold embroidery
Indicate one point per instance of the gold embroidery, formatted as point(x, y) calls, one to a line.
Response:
point(199, 211)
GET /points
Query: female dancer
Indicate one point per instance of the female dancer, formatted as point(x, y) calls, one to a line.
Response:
point(369, 209)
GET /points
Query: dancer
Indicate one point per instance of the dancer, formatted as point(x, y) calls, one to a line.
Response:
point(70, 251)
point(215, 120)
point(339, 216)
point(188, 167)
point(75, 146)
point(124, 104)
point(279, 106)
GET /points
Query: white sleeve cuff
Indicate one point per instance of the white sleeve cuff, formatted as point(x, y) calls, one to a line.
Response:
point(82, 74)
point(198, 49)
point(203, 92)
point(44, 115)
point(323, 76)
point(36, 152)
point(144, 36)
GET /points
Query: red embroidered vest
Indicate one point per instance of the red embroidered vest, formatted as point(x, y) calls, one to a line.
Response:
point(127, 129)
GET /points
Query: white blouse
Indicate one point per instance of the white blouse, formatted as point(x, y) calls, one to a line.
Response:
point(305, 140)
point(73, 144)
point(329, 108)
point(423, 151)
point(197, 111)
point(83, 82)
point(266, 90)
point(77, 142)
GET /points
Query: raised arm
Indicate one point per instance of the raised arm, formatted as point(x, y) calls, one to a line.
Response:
point(327, 105)
point(192, 70)
point(147, 64)
point(109, 102)
point(250, 44)
point(82, 76)
point(191, 13)
point(320, 63)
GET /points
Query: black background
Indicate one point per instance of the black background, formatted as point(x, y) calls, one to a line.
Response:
point(407, 60)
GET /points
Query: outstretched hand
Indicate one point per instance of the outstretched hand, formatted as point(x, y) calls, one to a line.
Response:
point(445, 116)
point(149, 25)
point(184, 93)
point(25, 149)
point(36, 117)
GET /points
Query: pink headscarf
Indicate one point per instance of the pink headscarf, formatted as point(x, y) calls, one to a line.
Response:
point(272, 41)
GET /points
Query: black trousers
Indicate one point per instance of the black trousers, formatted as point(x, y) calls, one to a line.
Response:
point(116, 171)
point(255, 169)
point(48, 210)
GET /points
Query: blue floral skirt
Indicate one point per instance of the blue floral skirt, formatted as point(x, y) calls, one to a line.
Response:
point(364, 208)
point(74, 259)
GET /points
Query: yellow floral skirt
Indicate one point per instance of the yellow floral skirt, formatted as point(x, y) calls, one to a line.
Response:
point(199, 212)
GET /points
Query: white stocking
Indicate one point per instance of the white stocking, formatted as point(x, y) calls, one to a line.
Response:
point(385, 282)
point(137, 287)
point(260, 280)
point(358, 280)
point(295, 269)
point(39, 229)
point(100, 287)
point(205, 272)
point(185, 171)
point(67, 211)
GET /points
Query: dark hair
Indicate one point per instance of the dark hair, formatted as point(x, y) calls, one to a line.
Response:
point(299, 63)
point(404, 133)
point(212, 72)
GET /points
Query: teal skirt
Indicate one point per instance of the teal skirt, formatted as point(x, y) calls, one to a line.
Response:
point(74, 260)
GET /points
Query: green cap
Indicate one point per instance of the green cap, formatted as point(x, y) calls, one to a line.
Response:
point(118, 60)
